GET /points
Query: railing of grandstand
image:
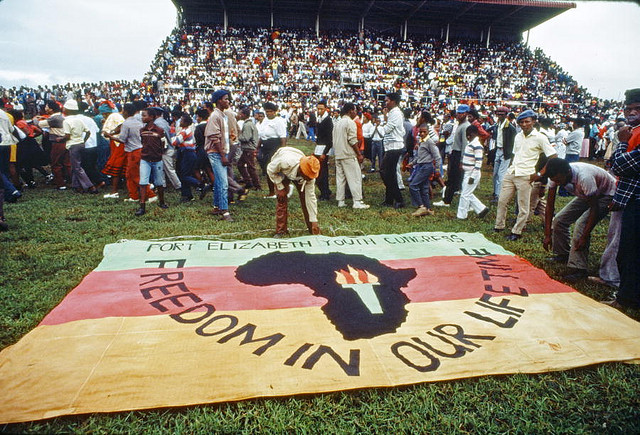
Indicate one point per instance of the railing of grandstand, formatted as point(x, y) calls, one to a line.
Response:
point(479, 100)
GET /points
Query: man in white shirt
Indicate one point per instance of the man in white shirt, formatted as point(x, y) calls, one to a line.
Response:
point(528, 145)
point(394, 147)
point(76, 134)
point(273, 135)
point(573, 142)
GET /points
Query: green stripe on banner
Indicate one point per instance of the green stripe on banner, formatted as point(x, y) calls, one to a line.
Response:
point(137, 254)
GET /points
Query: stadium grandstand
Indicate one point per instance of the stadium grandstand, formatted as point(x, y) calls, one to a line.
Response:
point(297, 52)
point(435, 53)
point(480, 19)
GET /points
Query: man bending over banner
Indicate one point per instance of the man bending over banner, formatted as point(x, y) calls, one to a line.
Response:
point(291, 165)
point(593, 188)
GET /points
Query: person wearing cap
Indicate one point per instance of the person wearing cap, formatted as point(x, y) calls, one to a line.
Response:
point(626, 165)
point(76, 134)
point(217, 145)
point(290, 166)
point(528, 145)
point(348, 158)
point(504, 135)
point(454, 168)
point(273, 135)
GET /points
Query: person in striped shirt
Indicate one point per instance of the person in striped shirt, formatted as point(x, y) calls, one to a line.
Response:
point(471, 165)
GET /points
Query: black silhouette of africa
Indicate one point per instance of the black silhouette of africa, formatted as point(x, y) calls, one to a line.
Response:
point(344, 308)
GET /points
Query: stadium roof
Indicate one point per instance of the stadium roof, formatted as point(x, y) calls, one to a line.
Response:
point(466, 18)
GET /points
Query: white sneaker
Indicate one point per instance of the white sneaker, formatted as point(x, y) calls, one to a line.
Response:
point(270, 197)
point(441, 204)
point(291, 189)
point(341, 204)
point(130, 200)
point(154, 199)
point(360, 205)
point(111, 195)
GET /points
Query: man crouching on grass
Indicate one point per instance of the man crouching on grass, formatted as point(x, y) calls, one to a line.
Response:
point(151, 159)
point(290, 165)
point(593, 188)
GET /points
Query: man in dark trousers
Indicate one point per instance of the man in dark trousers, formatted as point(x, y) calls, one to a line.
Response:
point(324, 141)
point(248, 138)
point(504, 135)
point(626, 165)
point(454, 168)
point(593, 188)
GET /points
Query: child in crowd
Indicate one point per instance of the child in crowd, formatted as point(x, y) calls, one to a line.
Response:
point(426, 162)
point(471, 165)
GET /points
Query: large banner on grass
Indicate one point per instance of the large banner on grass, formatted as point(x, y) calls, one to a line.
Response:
point(161, 324)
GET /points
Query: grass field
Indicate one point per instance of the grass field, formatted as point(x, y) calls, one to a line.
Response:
point(56, 239)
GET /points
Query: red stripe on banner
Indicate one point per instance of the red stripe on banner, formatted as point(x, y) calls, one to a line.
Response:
point(148, 292)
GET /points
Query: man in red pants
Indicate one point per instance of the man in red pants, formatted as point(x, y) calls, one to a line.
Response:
point(290, 165)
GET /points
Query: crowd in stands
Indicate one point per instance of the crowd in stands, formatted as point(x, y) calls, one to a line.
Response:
point(219, 102)
point(296, 67)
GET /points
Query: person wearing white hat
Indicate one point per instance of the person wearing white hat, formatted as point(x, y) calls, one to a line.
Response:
point(76, 134)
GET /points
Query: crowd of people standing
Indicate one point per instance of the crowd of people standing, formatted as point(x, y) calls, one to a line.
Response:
point(435, 111)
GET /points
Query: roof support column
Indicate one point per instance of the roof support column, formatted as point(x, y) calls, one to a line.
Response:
point(226, 21)
point(318, 25)
point(488, 36)
point(404, 35)
point(447, 40)
point(527, 43)
point(271, 12)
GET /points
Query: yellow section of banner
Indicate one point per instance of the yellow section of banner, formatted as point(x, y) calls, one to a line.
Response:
point(117, 364)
